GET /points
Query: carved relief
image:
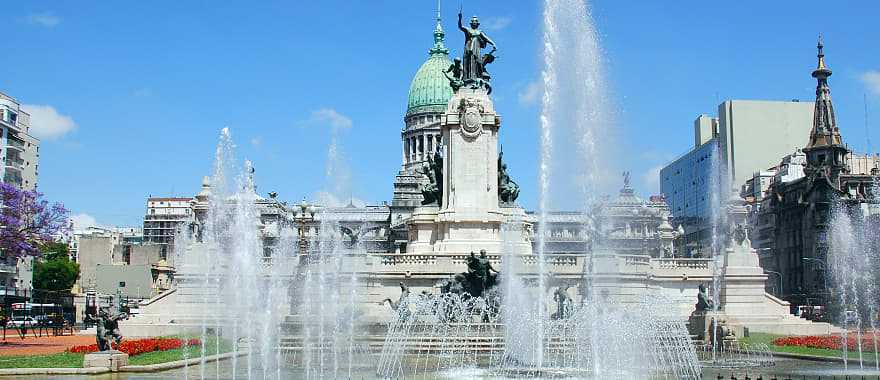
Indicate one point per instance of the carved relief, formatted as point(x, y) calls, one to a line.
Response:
point(471, 111)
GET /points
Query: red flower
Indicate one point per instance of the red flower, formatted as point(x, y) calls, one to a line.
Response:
point(140, 346)
point(831, 342)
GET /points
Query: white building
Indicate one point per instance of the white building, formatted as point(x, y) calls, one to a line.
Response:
point(20, 150)
point(20, 153)
point(162, 219)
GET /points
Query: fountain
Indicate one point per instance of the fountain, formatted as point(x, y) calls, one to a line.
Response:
point(305, 290)
point(851, 272)
point(590, 335)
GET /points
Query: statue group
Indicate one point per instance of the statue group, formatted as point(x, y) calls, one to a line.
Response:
point(108, 335)
point(477, 281)
point(470, 69)
point(432, 192)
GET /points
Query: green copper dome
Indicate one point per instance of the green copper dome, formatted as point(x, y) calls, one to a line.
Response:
point(430, 91)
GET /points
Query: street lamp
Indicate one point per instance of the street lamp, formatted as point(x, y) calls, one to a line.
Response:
point(823, 266)
point(780, 280)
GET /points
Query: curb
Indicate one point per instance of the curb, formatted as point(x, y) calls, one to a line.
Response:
point(179, 363)
point(53, 371)
point(129, 368)
point(817, 358)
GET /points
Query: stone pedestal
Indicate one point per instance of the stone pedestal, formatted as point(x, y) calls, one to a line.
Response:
point(108, 359)
point(470, 218)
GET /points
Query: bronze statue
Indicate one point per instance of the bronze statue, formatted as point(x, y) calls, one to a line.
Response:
point(108, 329)
point(563, 300)
point(508, 190)
point(455, 80)
point(432, 192)
point(400, 307)
point(473, 60)
point(476, 282)
point(703, 302)
point(485, 270)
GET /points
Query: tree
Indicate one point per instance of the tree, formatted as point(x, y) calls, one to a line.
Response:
point(54, 271)
point(27, 221)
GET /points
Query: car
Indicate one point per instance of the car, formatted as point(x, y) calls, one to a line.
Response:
point(18, 322)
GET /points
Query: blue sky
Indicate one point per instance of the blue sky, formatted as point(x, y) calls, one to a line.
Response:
point(133, 94)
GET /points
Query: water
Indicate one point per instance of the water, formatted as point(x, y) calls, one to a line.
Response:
point(851, 273)
point(442, 333)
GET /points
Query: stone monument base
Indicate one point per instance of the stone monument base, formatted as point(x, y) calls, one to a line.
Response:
point(112, 359)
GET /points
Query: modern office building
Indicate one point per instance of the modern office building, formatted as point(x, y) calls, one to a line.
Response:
point(754, 134)
point(690, 186)
point(748, 136)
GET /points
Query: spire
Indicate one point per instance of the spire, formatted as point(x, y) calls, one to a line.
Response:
point(439, 47)
point(825, 131)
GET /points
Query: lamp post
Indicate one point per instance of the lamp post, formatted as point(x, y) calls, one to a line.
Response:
point(780, 280)
point(303, 214)
point(823, 266)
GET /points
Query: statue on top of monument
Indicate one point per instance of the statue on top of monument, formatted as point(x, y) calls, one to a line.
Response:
point(474, 61)
point(508, 190)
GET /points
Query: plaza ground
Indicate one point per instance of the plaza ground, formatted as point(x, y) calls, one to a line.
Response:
point(14, 345)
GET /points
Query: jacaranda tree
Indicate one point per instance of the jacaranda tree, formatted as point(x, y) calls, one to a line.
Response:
point(27, 221)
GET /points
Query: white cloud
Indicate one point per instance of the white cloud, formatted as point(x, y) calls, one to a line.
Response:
point(531, 93)
point(327, 199)
point(47, 123)
point(652, 179)
point(495, 23)
point(46, 19)
point(256, 142)
point(82, 221)
point(336, 120)
point(872, 81)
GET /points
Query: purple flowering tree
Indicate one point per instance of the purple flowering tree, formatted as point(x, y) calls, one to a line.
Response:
point(27, 221)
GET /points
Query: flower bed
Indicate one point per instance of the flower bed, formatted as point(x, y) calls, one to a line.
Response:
point(140, 346)
point(830, 342)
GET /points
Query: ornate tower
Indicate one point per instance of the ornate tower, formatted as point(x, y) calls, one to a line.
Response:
point(420, 137)
point(826, 154)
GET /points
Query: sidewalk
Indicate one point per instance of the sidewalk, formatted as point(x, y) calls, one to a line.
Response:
point(15, 346)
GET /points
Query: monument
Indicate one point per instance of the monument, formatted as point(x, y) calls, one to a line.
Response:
point(476, 193)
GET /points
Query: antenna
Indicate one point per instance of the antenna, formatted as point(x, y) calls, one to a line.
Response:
point(867, 131)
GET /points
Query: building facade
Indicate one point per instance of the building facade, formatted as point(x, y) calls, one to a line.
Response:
point(420, 136)
point(747, 136)
point(20, 150)
point(163, 218)
point(690, 185)
point(799, 207)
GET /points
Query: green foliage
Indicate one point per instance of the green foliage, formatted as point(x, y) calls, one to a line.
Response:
point(54, 250)
point(54, 271)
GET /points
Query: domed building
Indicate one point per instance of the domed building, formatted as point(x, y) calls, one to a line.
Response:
point(428, 96)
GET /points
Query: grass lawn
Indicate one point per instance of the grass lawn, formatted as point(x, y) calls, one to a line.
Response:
point(754, 338)
point(59, 360)
point(157, 357)
point(70, 360)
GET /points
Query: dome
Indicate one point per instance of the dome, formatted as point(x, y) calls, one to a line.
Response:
point(430, 91)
